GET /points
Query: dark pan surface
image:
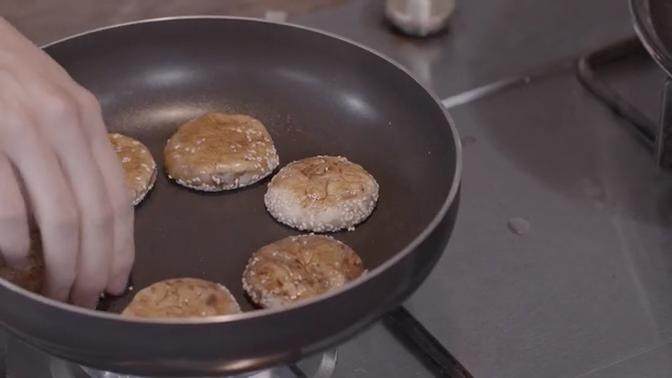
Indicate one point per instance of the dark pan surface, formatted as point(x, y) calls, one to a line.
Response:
point(149, 86)
point(316, 94)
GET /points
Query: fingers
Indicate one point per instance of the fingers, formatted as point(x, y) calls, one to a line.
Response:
point(52, 202)
point(14, 234)
point(19, 52)
point(63, 126)
point(122, 211)
point(56, 139)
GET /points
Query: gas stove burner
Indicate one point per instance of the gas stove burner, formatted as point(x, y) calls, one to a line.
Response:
point(320, 366)
point(23, 360)
point(93, 373)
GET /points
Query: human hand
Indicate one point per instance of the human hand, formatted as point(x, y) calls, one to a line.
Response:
point(54, 144)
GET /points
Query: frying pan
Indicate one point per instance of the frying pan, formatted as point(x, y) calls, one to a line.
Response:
point(653, 24)
point(317, 94)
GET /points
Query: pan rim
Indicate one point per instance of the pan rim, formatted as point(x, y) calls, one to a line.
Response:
point(646, 32)
point(405, 251)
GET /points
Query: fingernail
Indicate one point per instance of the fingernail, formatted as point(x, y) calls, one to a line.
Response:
point(21, 263)
point(117, 288)
point(117, 285)
point(59, 294)
point(85, 301)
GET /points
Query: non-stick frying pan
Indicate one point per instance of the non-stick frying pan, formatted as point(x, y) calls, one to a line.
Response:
point(653, 23)
point(317, 94)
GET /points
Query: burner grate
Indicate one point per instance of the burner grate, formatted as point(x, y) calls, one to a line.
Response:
point(656, 136)
point(419, 341)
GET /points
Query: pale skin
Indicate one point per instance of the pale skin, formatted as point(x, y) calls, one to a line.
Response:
point(58, 170)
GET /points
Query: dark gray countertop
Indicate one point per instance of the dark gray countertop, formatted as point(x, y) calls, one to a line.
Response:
point(586, 292)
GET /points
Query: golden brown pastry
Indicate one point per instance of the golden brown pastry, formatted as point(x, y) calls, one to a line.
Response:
point(218, 151)
point(32, 277)
point(182, 298)
point(299, 267)
point(138, 164)
point(322, 194)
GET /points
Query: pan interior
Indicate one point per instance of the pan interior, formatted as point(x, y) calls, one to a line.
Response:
point(315, 94)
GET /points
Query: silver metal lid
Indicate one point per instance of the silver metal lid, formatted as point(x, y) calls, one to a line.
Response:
point(419, 17)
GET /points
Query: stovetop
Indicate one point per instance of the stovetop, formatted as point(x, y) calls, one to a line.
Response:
point(560, 263)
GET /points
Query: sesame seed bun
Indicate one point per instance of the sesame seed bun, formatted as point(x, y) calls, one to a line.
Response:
point(138, 165)
point(322, 194)
point(182, 298)
point(31, 277)
point(218, 152)
point(297, 268)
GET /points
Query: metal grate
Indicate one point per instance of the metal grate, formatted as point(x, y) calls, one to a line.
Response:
point(656, 136)
point(424, 346)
